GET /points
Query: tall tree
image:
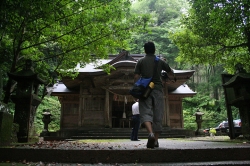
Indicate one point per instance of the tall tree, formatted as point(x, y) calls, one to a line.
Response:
point(59, 34)
point(215, 32)
point(164, 16)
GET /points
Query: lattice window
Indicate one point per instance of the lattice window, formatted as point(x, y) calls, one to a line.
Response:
point(71, 108)
point(94, 104)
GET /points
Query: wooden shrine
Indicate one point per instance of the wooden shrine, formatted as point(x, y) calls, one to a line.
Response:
point(96, 99)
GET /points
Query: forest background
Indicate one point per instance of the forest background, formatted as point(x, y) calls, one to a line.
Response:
point(208, 37)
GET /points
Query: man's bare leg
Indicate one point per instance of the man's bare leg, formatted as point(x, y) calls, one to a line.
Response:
point(156, 139)
point(151, 137)
point(156, 136)
point(148, 126)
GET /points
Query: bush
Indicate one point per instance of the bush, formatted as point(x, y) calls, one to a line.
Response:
point(53, 105)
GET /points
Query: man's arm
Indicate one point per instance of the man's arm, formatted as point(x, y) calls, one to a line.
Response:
point(169, 70)
point(171, 73)
point(136, 77)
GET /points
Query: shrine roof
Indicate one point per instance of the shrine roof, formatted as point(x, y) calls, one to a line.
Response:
point(61, 88)
point(93, 67)
point(182, 71)
point(183, 90)
point(124, 58)
point(238, 79)
point(92, 74)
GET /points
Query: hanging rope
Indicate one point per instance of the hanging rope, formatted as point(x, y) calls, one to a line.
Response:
point(119, 97)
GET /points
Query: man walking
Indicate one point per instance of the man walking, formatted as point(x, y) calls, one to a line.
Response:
point(136, 121)
point(152, 108)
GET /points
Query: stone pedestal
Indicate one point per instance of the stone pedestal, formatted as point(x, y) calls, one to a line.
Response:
point(6, 121)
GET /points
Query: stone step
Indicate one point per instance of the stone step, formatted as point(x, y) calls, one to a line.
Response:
point(122, 137)
point(114, 133)
point(127, 130)
point(123, 134)
point(208, 156)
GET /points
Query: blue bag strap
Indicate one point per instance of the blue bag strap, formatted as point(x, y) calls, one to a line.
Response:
point(156, 60)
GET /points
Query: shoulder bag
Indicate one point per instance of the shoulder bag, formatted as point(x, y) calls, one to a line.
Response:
point(139, 88)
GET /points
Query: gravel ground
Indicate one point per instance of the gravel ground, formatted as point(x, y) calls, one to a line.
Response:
point(222, 163)
point(125, 144)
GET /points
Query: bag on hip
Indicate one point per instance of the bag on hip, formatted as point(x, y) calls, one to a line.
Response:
point(140, 87)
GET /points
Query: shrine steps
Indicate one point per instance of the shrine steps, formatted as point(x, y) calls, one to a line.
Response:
point(115, 133)
point(123, 134)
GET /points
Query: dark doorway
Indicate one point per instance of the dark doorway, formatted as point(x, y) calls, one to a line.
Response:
point(118, 118)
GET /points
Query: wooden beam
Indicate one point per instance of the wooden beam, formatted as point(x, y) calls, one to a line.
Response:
point(126, 70)
point(127, 87)
point(130, 81)
point(80, 107)
point(106, 109)
point(121, 88)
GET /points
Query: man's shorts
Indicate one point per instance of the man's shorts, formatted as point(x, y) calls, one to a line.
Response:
point(152, 109)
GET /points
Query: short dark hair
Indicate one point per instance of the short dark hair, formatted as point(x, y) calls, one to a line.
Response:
point(149, 47)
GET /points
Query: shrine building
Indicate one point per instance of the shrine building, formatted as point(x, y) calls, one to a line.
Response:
point(95, 99)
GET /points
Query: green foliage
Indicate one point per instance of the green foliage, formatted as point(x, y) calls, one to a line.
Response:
point(58, 35)
point(163, 16)
point(215, 32)
point(204, 104)
point(214, 111)
point(107, 68)
point(53, 105)
point(189, 119)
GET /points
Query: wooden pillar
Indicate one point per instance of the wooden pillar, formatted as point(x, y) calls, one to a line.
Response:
point(110, 110)
point(106, 110)
point(181, 114)
point(80, 109)
point(62, 112)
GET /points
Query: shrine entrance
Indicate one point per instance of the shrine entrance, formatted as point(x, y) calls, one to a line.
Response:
point(121, 114)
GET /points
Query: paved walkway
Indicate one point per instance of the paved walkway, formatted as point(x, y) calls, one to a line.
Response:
point(188, 151)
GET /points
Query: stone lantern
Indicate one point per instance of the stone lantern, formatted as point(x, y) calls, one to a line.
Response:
point(237, 93)
point(198, 120)
point(46, 120)
point(26, 99)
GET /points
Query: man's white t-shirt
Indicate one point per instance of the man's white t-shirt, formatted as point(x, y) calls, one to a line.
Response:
point(135, 108)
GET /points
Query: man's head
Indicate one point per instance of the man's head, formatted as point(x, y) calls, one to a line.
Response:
point(149, 47)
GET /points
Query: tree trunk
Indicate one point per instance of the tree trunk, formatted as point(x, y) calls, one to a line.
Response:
point(1, 85)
